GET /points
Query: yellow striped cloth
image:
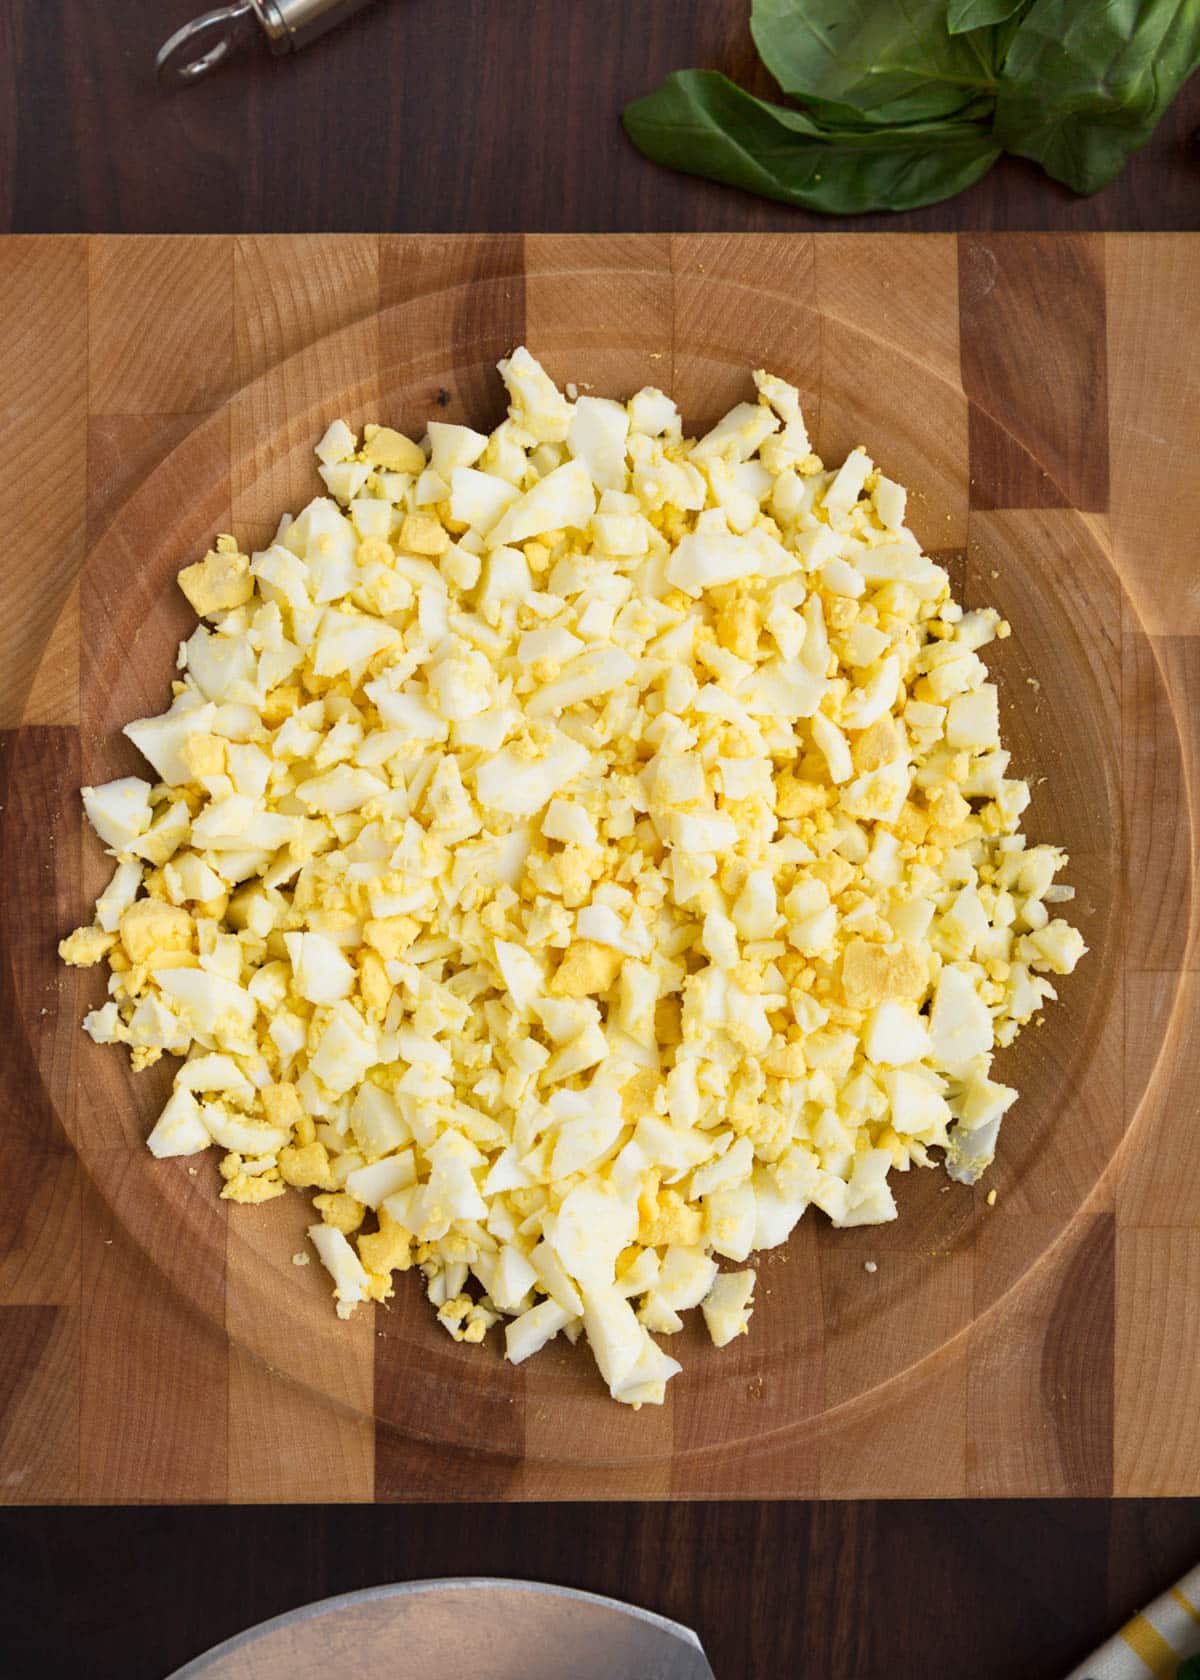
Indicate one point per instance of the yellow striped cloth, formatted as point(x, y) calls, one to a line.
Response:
point(1156, 1642)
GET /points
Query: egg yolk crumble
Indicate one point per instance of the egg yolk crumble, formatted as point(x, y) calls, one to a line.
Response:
point(571, 852)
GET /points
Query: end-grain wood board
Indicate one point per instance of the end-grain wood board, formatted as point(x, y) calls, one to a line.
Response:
point(1039, 395)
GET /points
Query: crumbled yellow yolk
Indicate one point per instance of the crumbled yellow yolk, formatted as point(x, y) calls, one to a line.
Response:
point(572, 853)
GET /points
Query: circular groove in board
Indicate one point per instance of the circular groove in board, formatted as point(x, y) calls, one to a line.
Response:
point(825, 1333)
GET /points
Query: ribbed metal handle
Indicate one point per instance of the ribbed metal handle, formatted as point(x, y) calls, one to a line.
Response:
point(292, 24)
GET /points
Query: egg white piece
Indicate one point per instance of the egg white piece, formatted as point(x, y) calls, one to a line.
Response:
point(572, 853)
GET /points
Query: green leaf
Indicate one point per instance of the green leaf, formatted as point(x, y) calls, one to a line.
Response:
point(928, 107)
point(701, 122)
point(962, 15)
point(1003, 34)
point(1084, 85)
point(868, 56)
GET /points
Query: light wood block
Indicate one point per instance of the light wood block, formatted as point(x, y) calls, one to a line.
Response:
point(1033, 391)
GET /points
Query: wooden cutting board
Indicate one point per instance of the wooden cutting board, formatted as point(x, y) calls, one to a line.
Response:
point(1039, 395)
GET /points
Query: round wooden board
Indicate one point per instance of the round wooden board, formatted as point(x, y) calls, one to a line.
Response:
point(825, 1331)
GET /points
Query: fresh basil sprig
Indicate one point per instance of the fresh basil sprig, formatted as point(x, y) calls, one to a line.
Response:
point(1084, 85)
point(977, 14)
point(872, 56)
point(701, 122)
point(906, 102)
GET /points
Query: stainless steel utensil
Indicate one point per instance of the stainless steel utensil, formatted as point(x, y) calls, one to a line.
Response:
point(443, 1630)
point(206, 42)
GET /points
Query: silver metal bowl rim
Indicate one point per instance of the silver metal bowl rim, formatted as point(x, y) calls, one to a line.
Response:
point(403, 1589)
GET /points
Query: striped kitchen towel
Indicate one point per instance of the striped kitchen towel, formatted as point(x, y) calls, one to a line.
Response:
point(1159, 1642)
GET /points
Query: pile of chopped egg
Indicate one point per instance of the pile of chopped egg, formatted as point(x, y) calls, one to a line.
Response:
point(574, 851)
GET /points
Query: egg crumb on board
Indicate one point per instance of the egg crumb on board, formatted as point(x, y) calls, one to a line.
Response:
point(573, 852)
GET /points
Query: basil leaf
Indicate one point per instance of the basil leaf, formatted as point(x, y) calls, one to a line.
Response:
point(704, 124)
point(962, 15)
point(901, 113)
point(1083, 86)
point(1003, 33)
point(862, 54)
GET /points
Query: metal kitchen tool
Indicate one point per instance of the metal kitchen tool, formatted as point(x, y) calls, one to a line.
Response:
point(206, 42)
point(442, 1630)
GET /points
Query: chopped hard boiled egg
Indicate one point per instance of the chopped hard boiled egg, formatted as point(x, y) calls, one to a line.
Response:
point(573, 853)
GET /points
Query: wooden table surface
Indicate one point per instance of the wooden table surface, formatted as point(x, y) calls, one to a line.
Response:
point(922, 1591)
point(1048, 1345)
point(372, 130)
point(438, 114)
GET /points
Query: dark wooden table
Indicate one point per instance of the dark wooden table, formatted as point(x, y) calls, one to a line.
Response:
point(470, 115)
point(426, 115)
point(969, 1591)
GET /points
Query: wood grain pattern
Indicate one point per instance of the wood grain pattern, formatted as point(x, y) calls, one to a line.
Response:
point(41, 1179)
point(204, 1366)
point(1035, 368)
point(294, 1437)
point(450, 307)
point(160, 323)
point(428, 115)
point(1155, 489)
point(1160, 678)
point(1042, 569)
point(707, 370)
point(876, 1443)
point(289, 298)
point(1157, 1386)
point(618, 300)
point(905, 1589)
point(1159, 1187)
point(40, 1404)
point(1040, 1397)
point(782, 1379)
point(889, 349)
point(43, 442)
point(153, 1362)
